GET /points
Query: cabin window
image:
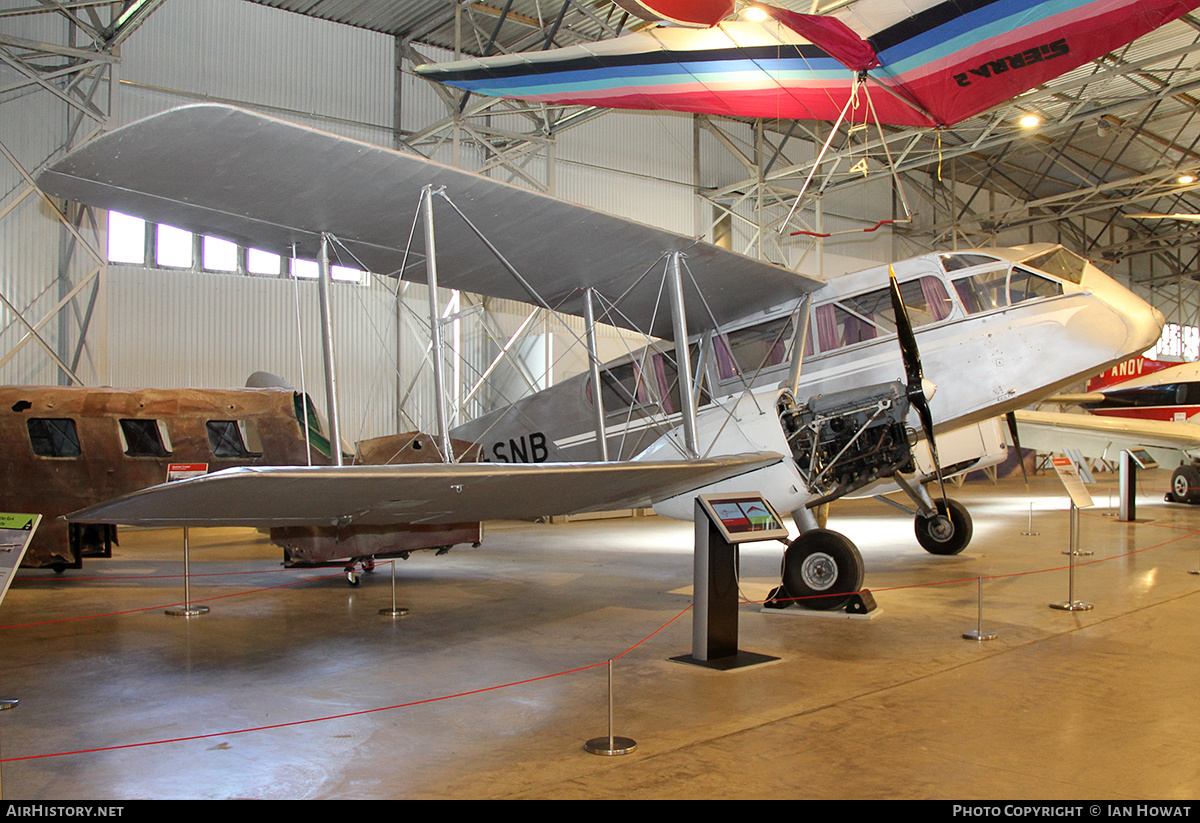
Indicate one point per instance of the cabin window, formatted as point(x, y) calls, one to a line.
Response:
point(145, 438)
point(757, 348)
point(867, 316)
point(226, 438)
point(54, 437)
point(668, 381)
point(622, 388)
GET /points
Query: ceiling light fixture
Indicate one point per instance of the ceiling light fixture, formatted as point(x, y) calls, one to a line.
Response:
point(754, 14)
point(1028, 121)
point(1186, 179)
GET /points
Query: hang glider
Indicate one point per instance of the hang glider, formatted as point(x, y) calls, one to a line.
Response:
point(936, 62)
point(270, 184)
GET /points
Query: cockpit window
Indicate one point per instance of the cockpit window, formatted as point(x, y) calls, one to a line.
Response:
point(999, 288)
point(983, 291)
point(1060, 263)
point(1026, 285)
point(956, 261)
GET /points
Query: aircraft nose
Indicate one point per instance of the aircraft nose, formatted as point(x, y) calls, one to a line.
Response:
point(1143, 323)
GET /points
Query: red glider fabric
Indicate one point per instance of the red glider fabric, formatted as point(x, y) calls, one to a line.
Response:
point(687, 12)
point(831, 34)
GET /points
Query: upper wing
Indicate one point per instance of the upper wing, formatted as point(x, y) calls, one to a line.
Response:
point(269, 184)
point(412, 494)
point(937, 63)
point(1168, 442)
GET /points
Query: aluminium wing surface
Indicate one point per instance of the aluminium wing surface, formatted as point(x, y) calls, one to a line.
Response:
point(412, 494)
point(268, 183)
point(1169, 442)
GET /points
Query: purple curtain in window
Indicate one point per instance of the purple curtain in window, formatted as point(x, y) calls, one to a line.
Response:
point(936, 297)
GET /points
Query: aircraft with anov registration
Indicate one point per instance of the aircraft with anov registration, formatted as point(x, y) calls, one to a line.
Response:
point(1139, 404)
point(993, 329)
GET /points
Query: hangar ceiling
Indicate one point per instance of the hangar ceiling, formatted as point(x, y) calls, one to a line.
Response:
point(1115, 135)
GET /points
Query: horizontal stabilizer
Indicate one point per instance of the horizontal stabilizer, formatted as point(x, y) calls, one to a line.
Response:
point(413, 494)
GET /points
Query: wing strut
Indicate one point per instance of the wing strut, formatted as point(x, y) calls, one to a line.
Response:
point(331, 406)
point(589, 318)
point(435, 326)
point(683, 359)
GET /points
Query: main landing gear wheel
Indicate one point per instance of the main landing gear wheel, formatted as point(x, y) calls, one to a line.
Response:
point(948, 532)
point(1185, 485)
point(824, 567)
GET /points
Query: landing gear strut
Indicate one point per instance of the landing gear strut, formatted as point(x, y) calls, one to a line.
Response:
point(824, 568)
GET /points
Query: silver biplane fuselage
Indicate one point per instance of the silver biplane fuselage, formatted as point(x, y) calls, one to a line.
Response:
point(997, 330)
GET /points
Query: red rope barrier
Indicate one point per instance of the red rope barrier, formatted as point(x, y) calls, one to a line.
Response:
point(485, 689)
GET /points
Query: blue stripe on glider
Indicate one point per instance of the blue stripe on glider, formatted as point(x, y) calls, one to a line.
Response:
point(961, 33)
point(669, 74)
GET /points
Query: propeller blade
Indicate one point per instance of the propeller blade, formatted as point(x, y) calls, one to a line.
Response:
point(1011, 417)
point(912, 369)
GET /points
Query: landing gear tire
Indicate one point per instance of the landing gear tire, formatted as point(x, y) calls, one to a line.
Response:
point(352, 577)
point(824, 568)
point(1185, 485)
point(948, 532)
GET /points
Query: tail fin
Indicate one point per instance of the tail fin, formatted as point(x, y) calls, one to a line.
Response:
point(1123, 372)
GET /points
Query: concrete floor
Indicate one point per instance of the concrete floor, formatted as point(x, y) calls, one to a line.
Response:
point(1062, 705)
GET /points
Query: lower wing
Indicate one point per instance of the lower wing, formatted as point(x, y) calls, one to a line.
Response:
point(413, 494)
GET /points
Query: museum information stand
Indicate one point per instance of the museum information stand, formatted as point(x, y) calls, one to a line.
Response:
point(724, 521)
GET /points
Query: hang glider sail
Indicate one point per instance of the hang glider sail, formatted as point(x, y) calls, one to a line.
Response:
point(271, 184)
point(937, 62)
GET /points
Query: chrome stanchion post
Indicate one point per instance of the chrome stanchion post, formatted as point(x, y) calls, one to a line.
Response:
point(979, 634)
point(187, 609)
point(1030, 532)
point(4, 704)
point(394, 611)
point(1071, 604)
point(610, 746)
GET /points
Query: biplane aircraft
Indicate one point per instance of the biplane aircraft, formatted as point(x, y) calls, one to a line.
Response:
point(992, 330)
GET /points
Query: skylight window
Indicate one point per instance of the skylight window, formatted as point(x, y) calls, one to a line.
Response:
point(174, 247)
point(126, 239)
point(262, 262)
point(219, 255)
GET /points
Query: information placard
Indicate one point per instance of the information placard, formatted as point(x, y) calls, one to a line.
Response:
point(16, 532)
point(743, 518)
point(1068, 473)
